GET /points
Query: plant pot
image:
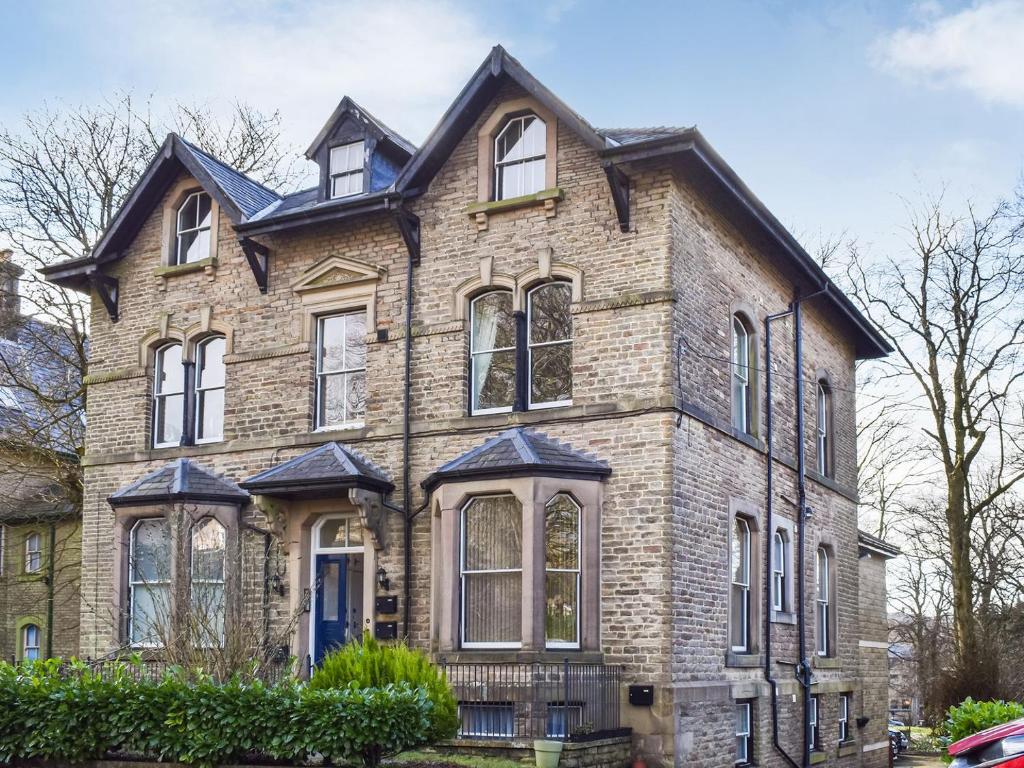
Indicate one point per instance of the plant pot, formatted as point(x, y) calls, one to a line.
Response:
point(547, 753)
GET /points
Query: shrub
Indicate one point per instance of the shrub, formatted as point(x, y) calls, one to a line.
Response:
point(972, 716)
point(371, 665)
point(73, 714)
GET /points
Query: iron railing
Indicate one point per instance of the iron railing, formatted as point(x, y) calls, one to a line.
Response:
point(565, 701)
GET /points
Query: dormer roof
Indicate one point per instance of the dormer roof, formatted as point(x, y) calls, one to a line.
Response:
point(348, 108)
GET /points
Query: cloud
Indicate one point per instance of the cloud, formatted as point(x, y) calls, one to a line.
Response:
point(979, 49)
point(403, 61)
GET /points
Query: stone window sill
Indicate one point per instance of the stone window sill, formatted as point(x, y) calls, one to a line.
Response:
point(746, 660)
point(208, 265)
point(826, 662)
point(818, 757)
point(846, 749)
point(783, 617)
point(546, 198)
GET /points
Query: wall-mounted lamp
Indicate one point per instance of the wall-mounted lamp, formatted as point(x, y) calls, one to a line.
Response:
point(382, 579)
point(277, 584)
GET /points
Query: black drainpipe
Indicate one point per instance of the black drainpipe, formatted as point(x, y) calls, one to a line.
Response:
point(51, 576)
point(406, 471)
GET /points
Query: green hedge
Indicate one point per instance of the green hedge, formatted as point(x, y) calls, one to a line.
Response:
point(971, 716)
point(74, 714)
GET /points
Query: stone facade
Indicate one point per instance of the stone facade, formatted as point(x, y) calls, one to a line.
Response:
point(651, 325)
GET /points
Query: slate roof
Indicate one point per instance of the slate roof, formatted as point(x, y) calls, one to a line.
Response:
point(181, 480)
point(876, 544)
point(623, 136)
point(250, 196)
point(520, 451)
point(331, 467)
point(47, 505)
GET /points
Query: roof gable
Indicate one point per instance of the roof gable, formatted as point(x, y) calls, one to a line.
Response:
point(181, 480)
point(348, 109)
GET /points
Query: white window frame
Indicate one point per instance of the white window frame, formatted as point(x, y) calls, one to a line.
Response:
point(530, 346)
point(348, 172)
point(25, 647)
point(321, 375)
point(499, 164)
point(746, 735)
point(744, 586)
point(823, 600)
point(159, 394)
point(823, 437)
point(222, 581)
point(474, 353)
point(740, 364)
point(134, 583)
point(33, 552)
point(201, 390)
point(463, 573)
point(578, 570)
point(813, 723)
point(779, 561)
point(196, 227)
point(844, 717)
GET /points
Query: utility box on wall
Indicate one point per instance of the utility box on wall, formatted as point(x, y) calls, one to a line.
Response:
point(387, 604)
point(641, 695)
point(386, 630)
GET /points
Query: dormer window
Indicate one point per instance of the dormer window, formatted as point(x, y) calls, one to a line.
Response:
point(193, 233)
point(347, 169)
point(519, 157)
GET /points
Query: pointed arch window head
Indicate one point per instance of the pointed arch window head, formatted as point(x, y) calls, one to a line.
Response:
point(188, 398)
point(562, 545)
point(168, 396)
point(741, 375)
point(823, 433)
point(779, 561)
point(149, 582)
point(194, 220)
point(210, 390)
point(30, 636)
point(519, 157)
point(823, 596)
point(492, 353)
point(549, 324)
point(208, 549)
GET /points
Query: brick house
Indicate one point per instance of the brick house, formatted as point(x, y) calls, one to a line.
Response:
point(506, 395)
point(40, 518)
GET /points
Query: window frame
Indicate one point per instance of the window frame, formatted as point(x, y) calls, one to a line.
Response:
point(321, 376)
point(158, 394)
point(33, 555)
point(222, 581)
point(498, 166)
point(578, 571)
point(823, 605)
point(197, 228)
point(200, 390)
point(740, 374)
point(744, 587)
point(813, 718)
point(333, 176)
point(747, 736)
point(531, 345)
point(823, 438)
point(844, 717)
point(25, 647)
point(471, 645)
point(134, 583)
point(474, 353)
point(780, 557)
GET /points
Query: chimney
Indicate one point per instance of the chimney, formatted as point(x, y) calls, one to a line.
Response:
point(10, 300)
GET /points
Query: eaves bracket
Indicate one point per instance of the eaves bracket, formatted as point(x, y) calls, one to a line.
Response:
point(409, 226)
point(107, 288)
point(257, 255)
point(618, 181)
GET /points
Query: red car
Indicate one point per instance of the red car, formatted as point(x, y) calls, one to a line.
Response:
point(1001, 746)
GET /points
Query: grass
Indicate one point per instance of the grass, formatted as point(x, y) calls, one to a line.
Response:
point(447, 758)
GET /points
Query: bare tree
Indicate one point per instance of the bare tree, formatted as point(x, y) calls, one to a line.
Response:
point(951, 308)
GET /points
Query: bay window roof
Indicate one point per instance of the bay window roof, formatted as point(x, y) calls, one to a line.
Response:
point(181, 480)
point(322, 471)
point(517, 452)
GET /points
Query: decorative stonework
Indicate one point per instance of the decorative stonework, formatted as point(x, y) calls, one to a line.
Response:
point(546, 199)
point(300, 348)
point(624, 300)
point(118, 374)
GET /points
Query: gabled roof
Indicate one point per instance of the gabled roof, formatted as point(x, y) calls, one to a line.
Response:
point(516, 452)
point(874, 544)
point(181, 480)
point(623, 136)
point(348, 106)
point(238, 196)
point(324, 470)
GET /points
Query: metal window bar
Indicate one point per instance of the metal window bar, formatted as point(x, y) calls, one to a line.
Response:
point(565, 701)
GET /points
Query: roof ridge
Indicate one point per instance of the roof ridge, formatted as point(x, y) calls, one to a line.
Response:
point(342, 455)
point(519, 439)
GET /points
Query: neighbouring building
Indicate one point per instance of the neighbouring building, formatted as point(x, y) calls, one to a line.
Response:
point(40, 515)
point(505, 394)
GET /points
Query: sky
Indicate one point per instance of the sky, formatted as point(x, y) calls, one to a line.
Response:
point(835, 112)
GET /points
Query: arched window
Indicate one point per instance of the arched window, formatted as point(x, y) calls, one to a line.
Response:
point(824, 602)
point(33, 553)
point(168, 396)
point(824, 429)
point(193, 231)
point(210, 390)
point(491, 569)
point(519, 159)
point(549, 323)
point(779, 571)
point(742, 390)
point(30, 642)
point(492, 353)
point(739, 618)
point(562, 572)
point(149, 582)
point(341, 370)
point(209, 544)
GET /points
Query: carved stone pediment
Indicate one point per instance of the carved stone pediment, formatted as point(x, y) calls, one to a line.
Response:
point(335, 272)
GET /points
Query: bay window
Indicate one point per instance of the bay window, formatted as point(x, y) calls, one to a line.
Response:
point(149, 582)
point(562, 572)
point(492, 572)
point(209, 545)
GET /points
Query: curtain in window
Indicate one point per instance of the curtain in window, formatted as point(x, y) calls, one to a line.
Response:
point(492, 571)
point(341, 369)
point(562, 571)
point(550, 344)
point(492, 349)
point(209, 543)
point(149, 579)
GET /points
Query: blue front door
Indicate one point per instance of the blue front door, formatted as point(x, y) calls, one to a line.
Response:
point(330, 618)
